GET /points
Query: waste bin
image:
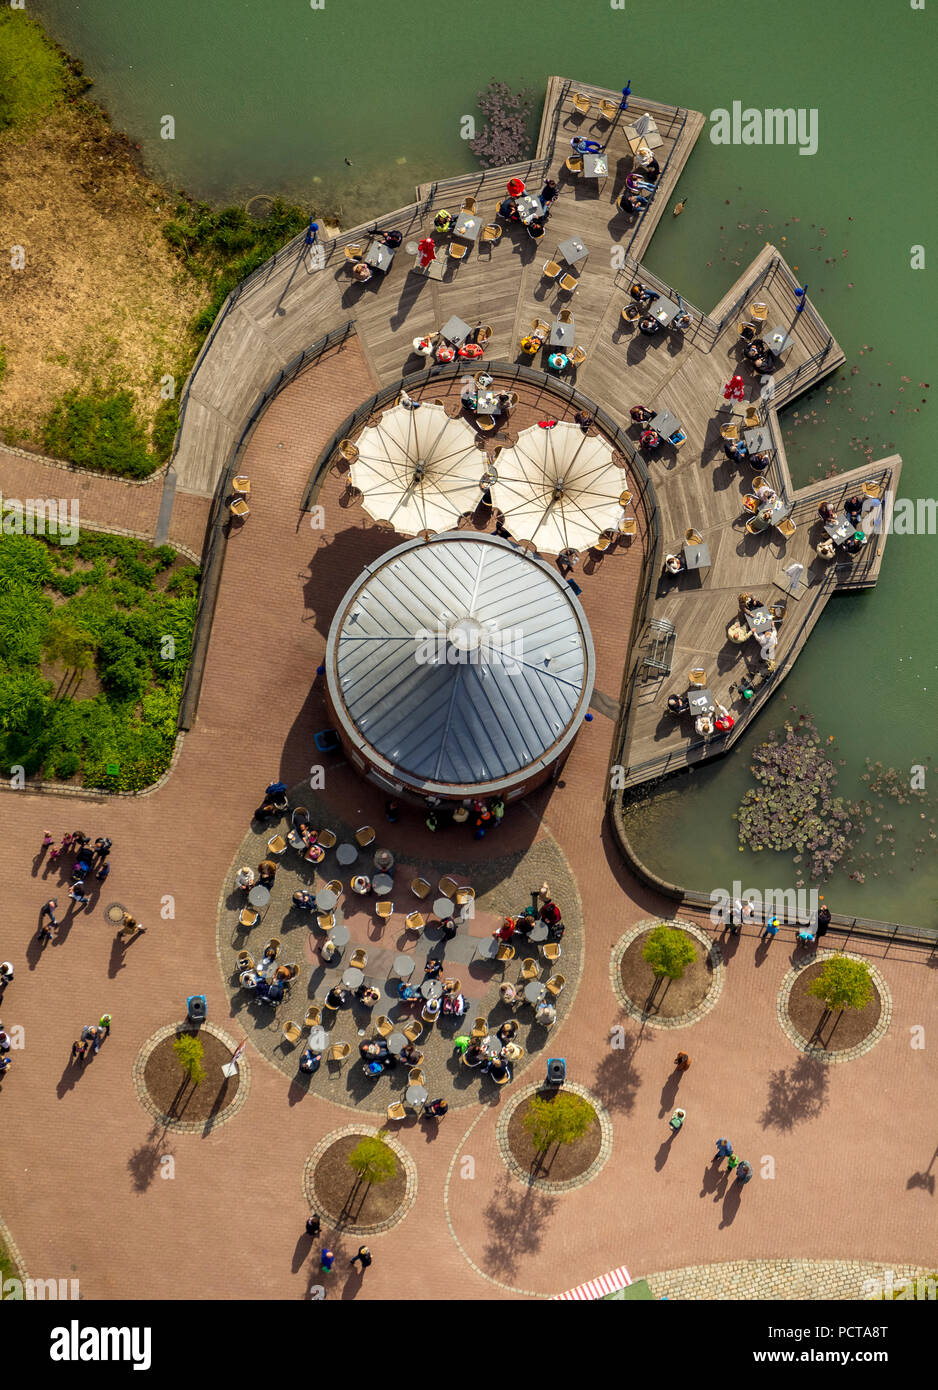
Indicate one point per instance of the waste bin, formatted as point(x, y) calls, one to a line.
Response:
point(556, 1071)
point(196, 1008)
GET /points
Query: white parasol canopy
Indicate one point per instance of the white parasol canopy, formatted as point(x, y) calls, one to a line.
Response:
point(559, 487)
point(418, 469)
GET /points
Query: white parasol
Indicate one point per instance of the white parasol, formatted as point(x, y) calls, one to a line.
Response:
point(559, 488)
point(418, 469)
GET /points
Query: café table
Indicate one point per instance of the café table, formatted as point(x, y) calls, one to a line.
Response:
point(396, 1043)
point(379, 256)
point(697, 557)
point(468, 226)
point(664, 310)
point(538, 932)
point(572, 250)
point(732, 407)
point(700, 702)
point(529, 207)
point(534, 991)
point(431, 989)
point(326, 900)
point(318, 1039)
point(443, 907)
point(777, 511)
point(758, 620)
point(455, 331)
point(758, 440)
point(665, 423)
point(840, 529)
point(491, 1045)
point(484, 402)
point(778, 341)
point(487, 949)
point(595, 166)
point(562, 334)
point(259, 896)
point(353, 977)
point(346, 854)
point(295, 840)
point(404, 966)
point(340, 936)
point(433, 271)
point(382, 884)
point(416, 1096)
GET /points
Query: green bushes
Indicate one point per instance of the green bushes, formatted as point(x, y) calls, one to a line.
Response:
point(116, 620)
point(101, 431)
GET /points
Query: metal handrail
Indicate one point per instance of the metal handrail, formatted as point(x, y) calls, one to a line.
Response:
point(664, 169)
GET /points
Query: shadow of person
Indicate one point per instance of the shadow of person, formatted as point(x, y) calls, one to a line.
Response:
point(71, 1073)
point(730, 1205)
point(711, 1177)
point(661, 1157)
point(302, 1251)
point(669, 1092)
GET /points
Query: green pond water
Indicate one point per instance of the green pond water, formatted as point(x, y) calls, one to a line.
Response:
point(272, 96)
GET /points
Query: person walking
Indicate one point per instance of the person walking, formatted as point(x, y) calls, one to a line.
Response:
point(326, 1260)
point(770, 930)
point(130, 928)
point(731, 1163)
point(677, 1120)
point(313, 1225)
point(79, 1051)
point(47, 933)
point(77, 893)
point(6, 974)
point(104, 1025)
point(364, 1254)
point(743, 1172)
point(823, 921)
point(682, 1061)
point(103, 845)
point(724, 1149)
point(46, 842)
point(103, 872)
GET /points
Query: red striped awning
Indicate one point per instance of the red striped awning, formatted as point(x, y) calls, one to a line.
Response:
point(596, 1288)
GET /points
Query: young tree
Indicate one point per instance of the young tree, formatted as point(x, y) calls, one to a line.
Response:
point(668, 950)
point(373, 1160)
point(843, 984)
point(66, 642)
point(562, 1119)
point(189, 1052)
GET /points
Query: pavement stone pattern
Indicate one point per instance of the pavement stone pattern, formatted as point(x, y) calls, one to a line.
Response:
point(503, 884)
point(213, 1122)
point(652, 1020)
point(820, 1054)
point(545, 1184)
point(757, 1280)
point(317, 1204)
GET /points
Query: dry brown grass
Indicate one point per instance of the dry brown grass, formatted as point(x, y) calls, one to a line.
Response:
point(101, 295)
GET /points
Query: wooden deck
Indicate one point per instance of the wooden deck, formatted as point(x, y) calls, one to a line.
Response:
point(290, 304)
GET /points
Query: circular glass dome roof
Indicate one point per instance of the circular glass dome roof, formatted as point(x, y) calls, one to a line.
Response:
point(459, 665)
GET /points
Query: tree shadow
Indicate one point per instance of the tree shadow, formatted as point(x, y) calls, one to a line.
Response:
point(616, 1081)
point(144, 1163)
point(514, 1217)
point(796, 1094)
point(925, 1179)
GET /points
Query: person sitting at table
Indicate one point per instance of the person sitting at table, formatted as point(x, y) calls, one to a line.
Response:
point(262, 988)
point(549, 192)
point(506, 931)
point(765, 493)
point(650, 439)
point(367, 995)
point(283, 973)
point(703, 724)
point(470, 350)
point(448, 928)
point(826, 549)
point(374, 1069)
point(649, 165)
point(675, 564)
point(473, 1055)
point(338, 998)
point(735, 450)
point(550, 913)
point(633, 202)
point(361, 272)
point(750, 602)
point(432, 1007)
point(557, 361)
point(724, 720)
point(682, 321)
point(433, 968)
point(442, 220)
point(245, 878)
point(827, 513)
point(648, 326)
point(407, 993)
point(678, 704)
point(507, 994)
point(581, 146)
point(267, 872)
point(640, 294)
point(499, 1070)
point(854, 508)
point(855, 544)
point(545, 1014)
point(310, 1060)
point(454, 1005)
point(392, 239)
point(276, 992)
point(435, 1109)
point(248, 979)
point(765, 364)
point(759, 460)
point(507, 1031)
point(537, 227)
point(374, 1047)
point(755, 347)
point(361, 883)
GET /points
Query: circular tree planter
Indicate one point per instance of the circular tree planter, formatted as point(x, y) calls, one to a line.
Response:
point(564, 1166)
point(164, 1090)
point(831, 1036)
point(675, 1003)
point(332, 1188)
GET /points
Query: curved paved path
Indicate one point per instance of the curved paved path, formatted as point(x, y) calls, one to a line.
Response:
point(81, 1177)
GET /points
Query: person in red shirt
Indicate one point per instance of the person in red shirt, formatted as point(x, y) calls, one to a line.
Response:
point(724, 720)
point(550, 912)
point(507, 930)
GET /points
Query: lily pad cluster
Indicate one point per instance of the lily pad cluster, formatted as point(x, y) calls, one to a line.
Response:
point(504, 139)
point(795, 806)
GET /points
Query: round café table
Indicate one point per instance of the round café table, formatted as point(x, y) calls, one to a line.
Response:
point(318, 1039)
point(444, 907)
point(259, 896)
point(339, 936)
point(346, 854)
point(384, 860)
point(534, 991)
point(488, 949)
point(538, 932)
point(404, 966)
point(396, 1043)
point(326, 900)
point(382, 884)
point(353, 977)
point(416, 1096)
point(431, 989)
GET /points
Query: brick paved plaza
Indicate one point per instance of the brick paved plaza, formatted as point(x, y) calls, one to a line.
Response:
point(87, 1192)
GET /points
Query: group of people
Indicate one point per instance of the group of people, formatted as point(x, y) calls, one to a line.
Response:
point(855, 508)
point(483, 815)
point(90, 858)
point(494, 1062)
point(760, 357)
point(363, 272)
point(92, 1036)
point(737, 451)
point(647, 322)
point(535, 224)
point(640, 184)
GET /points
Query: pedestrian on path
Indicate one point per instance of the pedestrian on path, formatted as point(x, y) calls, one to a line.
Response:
point(104, 1025)
point(46, 841)
point(63, 847)
point(130, 928)
point(103, 845)
point(77, 893)
point(770, 930)
point(313, 1225)
point(724, 1149)
point(103, 872)
point(743, 1172)
point(682, 1061)
point(731, 1163)
point(6, 975)
point(676, 1120)
point(326, 1260)
point(5, 1065)
point(79, 840)
point(364, 1254)
point(79, 1051)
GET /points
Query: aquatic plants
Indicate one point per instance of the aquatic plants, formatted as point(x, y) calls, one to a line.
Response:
point(504, 139)
point(795, 806)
